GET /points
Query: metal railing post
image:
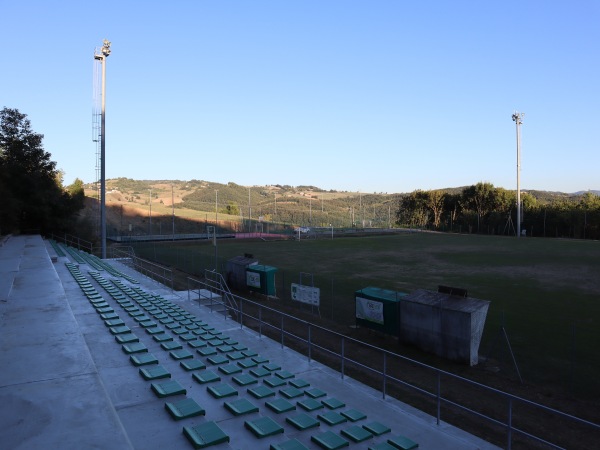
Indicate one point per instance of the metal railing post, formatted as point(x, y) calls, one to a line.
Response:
point(282, 332)
point(342, 355)
point(309, 343)
point(439, 398)
point(384, 373)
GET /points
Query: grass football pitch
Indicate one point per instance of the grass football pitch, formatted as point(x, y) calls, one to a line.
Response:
point(544, 292)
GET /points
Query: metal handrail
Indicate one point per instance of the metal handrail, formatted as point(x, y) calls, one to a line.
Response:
point(156, 271)
point(511, 430)
point(74, 241)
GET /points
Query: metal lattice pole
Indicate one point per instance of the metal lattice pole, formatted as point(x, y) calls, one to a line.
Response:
point(105, 51)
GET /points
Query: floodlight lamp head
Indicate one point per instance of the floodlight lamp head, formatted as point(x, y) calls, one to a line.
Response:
point(106, 48)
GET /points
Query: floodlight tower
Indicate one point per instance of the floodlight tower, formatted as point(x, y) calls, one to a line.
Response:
point(518, 119)
point(104, 52)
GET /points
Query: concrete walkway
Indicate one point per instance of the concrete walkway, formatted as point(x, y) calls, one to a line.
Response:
point(66, 384)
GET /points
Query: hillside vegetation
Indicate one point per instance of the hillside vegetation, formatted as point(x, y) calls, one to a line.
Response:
point(481, 208)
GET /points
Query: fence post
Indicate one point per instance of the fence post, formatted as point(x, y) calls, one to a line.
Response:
point(342, 371)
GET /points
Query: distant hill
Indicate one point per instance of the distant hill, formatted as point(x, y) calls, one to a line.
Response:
point(136, 201)
point(585, 192)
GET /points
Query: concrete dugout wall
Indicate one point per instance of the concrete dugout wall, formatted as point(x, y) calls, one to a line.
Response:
point(443, 324)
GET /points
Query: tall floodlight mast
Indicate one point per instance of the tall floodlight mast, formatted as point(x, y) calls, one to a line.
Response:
point(518, 119)
point(104, 52)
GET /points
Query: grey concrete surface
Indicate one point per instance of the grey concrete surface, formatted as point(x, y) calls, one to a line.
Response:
point(65, 383)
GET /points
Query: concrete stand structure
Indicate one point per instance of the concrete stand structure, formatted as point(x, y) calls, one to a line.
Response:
point(447, 325)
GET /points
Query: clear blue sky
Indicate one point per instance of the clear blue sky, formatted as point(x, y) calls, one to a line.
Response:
point(370, 96)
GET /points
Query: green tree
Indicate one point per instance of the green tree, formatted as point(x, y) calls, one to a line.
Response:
point(481, 198)
point(32, 196)
point(414, 210)
point(435, 203)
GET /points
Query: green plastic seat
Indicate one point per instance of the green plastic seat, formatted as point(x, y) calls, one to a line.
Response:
point(206, 376)
point(382, 446)
point(332, 418)
point(235, 356)
point(272, 367)
point(377, 428)
point(162, 337)
point(285, 375)
point(222, 390)
point(218, 359)
point(260, 372)
point(114, 322)
point(299, 383)
point(354, 415)
point(181, 354)
point(192, 364)
point(167, 389)
point(154, 330)
point(108, 316)
point(247, 364)
point(315, 393)
point(329, 440)
point(126, 338)
point(141, 318)
point(230, 369)
point(273, 381)
point(197, 343)
point(143, 359)
point(292, 444)
point(310, 404)
point(280, 405)
point(134, 347)
point(261, 392)
point(184, 408)
point(205, 435)
point(180, 331)
point(356, 433)
point(119, 330)
point(291, 392)
point(333, 403)
point(173, 345)
point(154, 372)
point(303, 421)
point(187, 337)
point(244, 379)
point(402, 443)
point(225, 348)
point(263, 427)
point(207, 351)
point(260, 359)
point(240, 407)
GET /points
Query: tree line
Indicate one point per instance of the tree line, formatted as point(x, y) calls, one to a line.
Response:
point(32, 197)
point(484, 208)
